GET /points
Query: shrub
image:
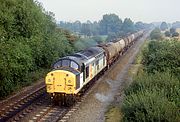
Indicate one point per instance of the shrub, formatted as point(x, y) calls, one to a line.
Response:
point(154, 94)
point(148, 106)
point(175, 34)
point(167, 33)
point(160, 82)
point(162, 56)
point(156, 34)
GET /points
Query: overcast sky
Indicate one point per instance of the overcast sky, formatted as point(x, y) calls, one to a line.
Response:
point(137, 10)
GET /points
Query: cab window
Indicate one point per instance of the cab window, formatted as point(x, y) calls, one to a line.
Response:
point(65, 63)
point(87, 72)
point(74, 65)
point(57, 65)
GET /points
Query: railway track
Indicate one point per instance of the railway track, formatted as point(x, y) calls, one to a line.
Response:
point(37, 106)
point(16, 106)
point(58, 113)
point(45, 111)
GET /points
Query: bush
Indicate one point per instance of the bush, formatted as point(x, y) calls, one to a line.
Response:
point(175, 34)
point(15, 64)
point(154, 94)
point(149, 107)
point(85, 43)
point(167, 33)
point(172, 30)
point(156, 34)
point(162, 56)
point(160, 82)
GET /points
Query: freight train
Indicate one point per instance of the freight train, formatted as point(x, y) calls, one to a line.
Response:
point(71, 74)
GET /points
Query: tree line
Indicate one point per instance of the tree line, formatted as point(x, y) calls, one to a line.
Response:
point(165, 30)
point(110, 25)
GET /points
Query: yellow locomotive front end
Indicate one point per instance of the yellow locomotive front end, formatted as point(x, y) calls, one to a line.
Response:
point(61, 81)
point(63, 85)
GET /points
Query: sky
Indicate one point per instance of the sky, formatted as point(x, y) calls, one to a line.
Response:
point(93, 10)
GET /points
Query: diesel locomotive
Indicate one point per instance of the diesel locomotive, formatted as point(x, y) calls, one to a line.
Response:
point(72, 73)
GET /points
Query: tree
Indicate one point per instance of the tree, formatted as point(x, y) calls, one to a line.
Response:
point(156, 34)
point(110, 23)
point(176, 24)
point(167, 33)
point(172, 30)
point(141, 25)
point(29, 42)
point(163, 26)
point(128, 26)
point(86, 29)
point(111, 36)
point(175, 34)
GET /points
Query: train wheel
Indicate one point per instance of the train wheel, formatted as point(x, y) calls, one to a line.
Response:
point(69, 100)
point(55, 100)
point(62, 103)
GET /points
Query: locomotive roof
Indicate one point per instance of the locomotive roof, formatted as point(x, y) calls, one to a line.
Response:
point(84, 56)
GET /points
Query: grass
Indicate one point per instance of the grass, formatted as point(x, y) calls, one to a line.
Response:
point(113, 114)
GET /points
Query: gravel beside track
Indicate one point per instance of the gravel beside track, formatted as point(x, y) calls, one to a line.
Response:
point(16, 103)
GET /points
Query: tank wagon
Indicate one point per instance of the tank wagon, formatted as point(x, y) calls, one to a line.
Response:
point(71, 74)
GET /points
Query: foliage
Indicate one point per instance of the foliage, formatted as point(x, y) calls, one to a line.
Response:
point(167, 33)
point(172, 30)
point(140, 25)
point(176, 24)
point(163, 83)
point(172, 33)
point(84, 43)
point(154, 94)
point(110, 25)
point(111, 36)
point(175, 34)
point(128, 26)
point(156, 34)
point(148, 106)
point(88, 28)
point(162, 56)
point(100, 39)
point(163, 26)
point(29, 41)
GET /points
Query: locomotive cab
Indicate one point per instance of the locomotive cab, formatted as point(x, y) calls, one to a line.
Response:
point(64, 79)
point(60, 81)
point(71, 73)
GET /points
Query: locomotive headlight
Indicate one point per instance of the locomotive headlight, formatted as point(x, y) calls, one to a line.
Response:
point(69, 81)
point(49, 80)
